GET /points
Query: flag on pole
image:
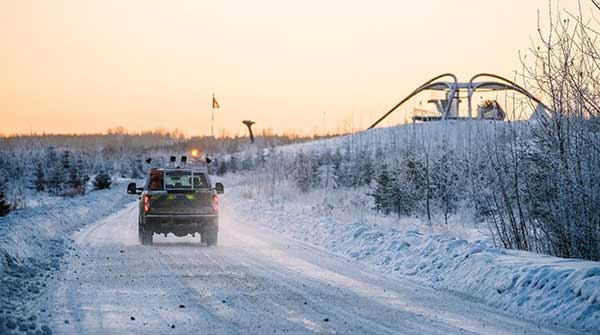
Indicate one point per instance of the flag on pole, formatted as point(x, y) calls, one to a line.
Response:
point(215, 104)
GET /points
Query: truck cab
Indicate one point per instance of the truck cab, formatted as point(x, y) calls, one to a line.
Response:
point(178, 200)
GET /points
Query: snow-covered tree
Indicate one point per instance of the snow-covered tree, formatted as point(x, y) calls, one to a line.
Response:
point(337, 159)
point(39, 182)
point(247, 161)
point(383, 194)
point(77, 177)
point(221, 167)
point(365, 168)
point(55, 173)
point(306, 172)
point(102, 181)
point(137, 169)
point(445, 179)
point(5, 207)
point(232, 164)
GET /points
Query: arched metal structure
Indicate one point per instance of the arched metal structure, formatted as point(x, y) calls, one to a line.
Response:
point(453, 88)
point(497, 86)
point(426, 86)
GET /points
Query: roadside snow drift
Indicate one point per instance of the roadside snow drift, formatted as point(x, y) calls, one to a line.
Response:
point(32, 245)
point(564, 292)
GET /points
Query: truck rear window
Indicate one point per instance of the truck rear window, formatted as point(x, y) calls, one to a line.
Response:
point(178, 179)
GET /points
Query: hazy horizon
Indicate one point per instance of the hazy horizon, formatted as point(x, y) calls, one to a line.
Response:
point(310, 68)
point(171, 133)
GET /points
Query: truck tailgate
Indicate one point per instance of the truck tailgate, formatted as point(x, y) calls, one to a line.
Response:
point(193, 203)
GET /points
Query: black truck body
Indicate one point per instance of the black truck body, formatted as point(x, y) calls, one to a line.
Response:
point(180, 201)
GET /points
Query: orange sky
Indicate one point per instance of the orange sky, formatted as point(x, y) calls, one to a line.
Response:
point(305, 66)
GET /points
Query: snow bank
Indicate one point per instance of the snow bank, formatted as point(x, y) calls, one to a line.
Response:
point(32, 244)
point(564, 292)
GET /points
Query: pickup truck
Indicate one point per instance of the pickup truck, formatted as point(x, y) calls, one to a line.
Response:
point(178, 200)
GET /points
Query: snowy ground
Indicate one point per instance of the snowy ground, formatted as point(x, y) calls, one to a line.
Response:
point(292, 263)
point(33, 246)
point(549, 289)
point(255, 282)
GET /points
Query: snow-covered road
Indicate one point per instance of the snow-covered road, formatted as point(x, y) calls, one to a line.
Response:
point(255, 282)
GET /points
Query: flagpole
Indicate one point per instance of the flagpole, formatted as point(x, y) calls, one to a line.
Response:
point(212, 122)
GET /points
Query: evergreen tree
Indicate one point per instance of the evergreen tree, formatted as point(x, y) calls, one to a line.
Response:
point(326, 160)
point(403, 195)
point(66, 170)
point(66, 160)
point(336, 160)
point(102, 181)
point(137, 169)
point(365, 169)
point(233, 164)
point(415, 172)
point(315, 170)
point(39, 181)
point(445, 182)
point(346, 170)
point(403, 190)
point(221, 167)
point(55, 172)
point(380, 159)
point(247, 162)
point(76, 180)
point(383, 194)
point(306, 173)
point(5, 208)
point(261, 158)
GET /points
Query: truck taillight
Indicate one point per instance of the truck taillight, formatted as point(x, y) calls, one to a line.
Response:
point(146, 203)
point(215, 203)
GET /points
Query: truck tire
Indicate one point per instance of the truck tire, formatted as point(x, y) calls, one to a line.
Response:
point(145, 235)
point(210, 233)
point(212, 237)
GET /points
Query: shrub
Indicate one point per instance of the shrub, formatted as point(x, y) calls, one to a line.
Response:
point(102, 181)
point(5, 208)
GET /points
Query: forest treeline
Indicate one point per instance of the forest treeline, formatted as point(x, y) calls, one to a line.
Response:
point(68, 165)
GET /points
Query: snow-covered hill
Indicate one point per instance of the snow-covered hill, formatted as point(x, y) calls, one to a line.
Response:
point(457, 133)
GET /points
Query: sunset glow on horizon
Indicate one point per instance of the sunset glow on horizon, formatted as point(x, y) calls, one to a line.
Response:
point(308, 67)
